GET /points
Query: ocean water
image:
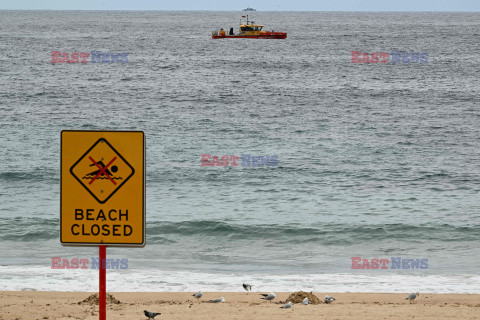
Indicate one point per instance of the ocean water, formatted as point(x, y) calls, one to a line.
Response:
point(375, 160)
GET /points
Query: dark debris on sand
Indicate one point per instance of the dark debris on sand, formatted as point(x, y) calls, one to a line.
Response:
point(93, 300)
point(297, 297)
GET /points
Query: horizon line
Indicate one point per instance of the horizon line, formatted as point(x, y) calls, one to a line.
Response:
point(209, 10)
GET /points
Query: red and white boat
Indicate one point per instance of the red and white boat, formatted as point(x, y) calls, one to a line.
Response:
point(249, 30)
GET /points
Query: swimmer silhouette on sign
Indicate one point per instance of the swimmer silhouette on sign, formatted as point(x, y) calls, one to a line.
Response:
point(107, 171)
point(103, 172)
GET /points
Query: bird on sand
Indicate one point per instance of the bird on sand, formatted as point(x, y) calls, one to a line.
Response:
point(305, 301)
point(222, 299)
point(198, 295)
point(247, 287)
point(287, 306)
point(411, 297)
point(151, 315)
point(329, 299)
point(269, 296)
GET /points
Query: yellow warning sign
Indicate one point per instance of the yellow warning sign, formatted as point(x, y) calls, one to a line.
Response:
point(102, 188)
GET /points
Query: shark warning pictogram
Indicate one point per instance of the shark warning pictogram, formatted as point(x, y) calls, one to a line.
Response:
point(102, 171)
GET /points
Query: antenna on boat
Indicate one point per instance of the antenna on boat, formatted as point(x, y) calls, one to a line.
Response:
point(244, 17)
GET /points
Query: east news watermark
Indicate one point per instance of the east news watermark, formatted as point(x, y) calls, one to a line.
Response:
point(244, 160)
point(93, 263)
point(96, 57)
point(394, 263)
point(392, 57)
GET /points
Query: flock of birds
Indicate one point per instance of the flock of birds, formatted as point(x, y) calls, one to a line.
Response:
point(268, 297)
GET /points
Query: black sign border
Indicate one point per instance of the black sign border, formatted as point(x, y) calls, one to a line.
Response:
point(118, 154)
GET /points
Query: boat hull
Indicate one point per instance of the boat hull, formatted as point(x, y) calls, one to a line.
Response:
point(267, 35)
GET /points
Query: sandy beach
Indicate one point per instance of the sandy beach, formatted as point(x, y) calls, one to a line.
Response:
point(64, 305)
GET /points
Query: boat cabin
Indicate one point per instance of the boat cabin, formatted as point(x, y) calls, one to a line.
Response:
point(250, 29)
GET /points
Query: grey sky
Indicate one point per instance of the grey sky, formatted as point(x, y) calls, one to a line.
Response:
point(264, 5)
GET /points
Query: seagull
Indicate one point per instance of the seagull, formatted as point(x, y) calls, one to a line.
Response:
point(222, 299)
point(269, 296)
point(329, 299)
point(198, 295)
point(287, 306)
point(412, 296)
point(305, 301)
point(151, 315)
point(247, 287)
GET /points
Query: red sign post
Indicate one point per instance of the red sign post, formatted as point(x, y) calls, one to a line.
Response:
point(102, 294)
